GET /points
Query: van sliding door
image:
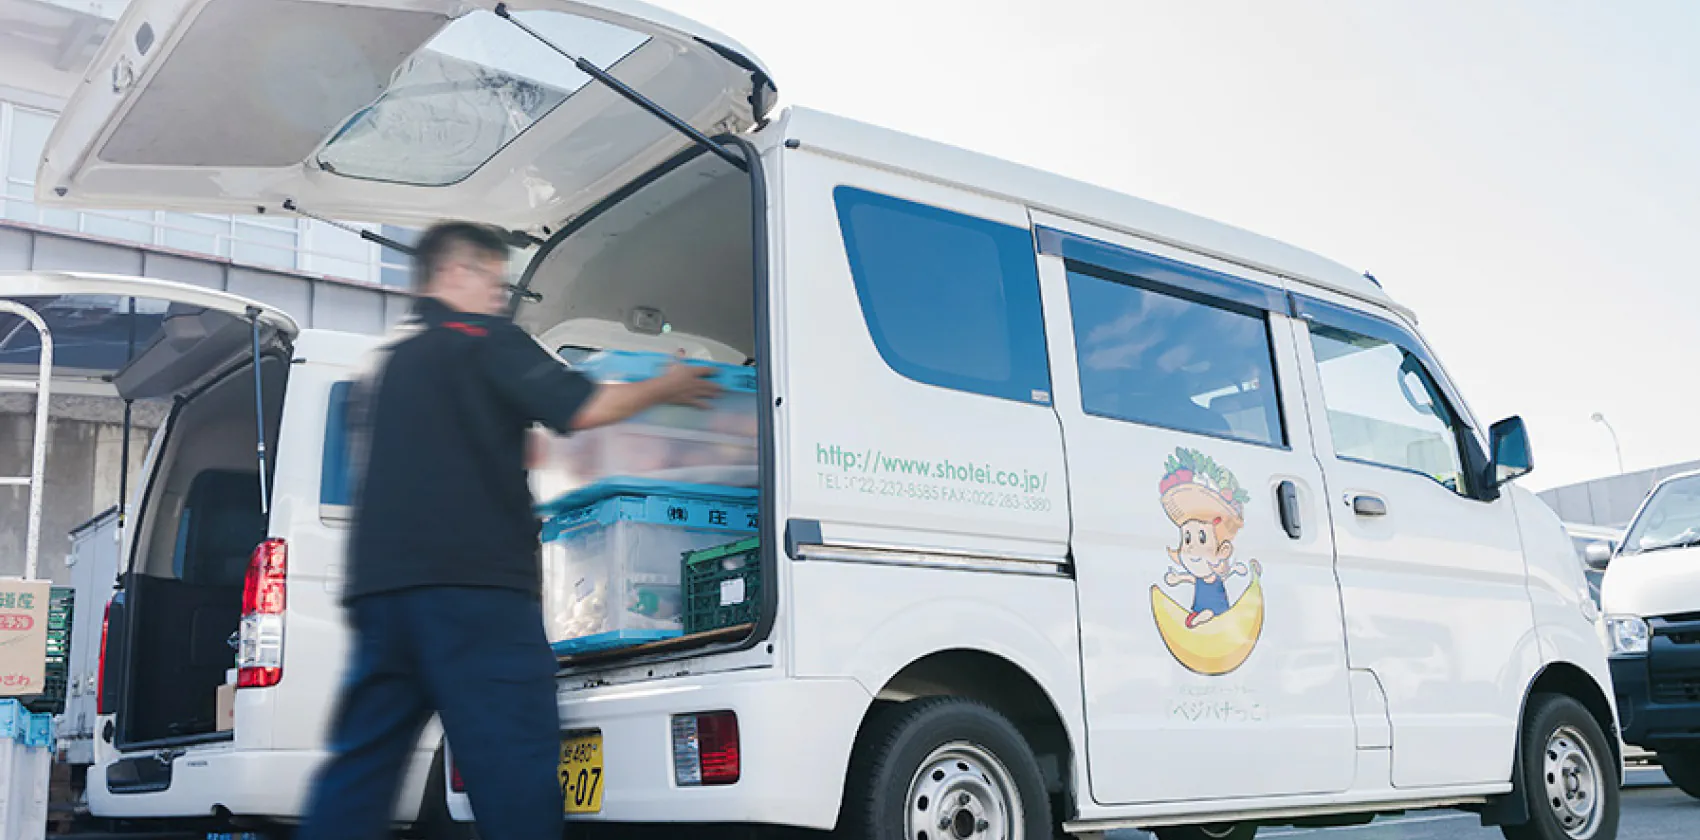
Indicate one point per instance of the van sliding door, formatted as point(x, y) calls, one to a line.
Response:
point(1212, 646)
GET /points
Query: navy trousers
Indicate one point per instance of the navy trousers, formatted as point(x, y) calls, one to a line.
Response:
point(479, 659)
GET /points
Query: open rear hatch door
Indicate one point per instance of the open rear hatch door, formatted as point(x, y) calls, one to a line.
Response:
point(150, 339)
point(402, 111)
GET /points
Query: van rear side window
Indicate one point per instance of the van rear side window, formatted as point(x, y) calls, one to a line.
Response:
point(335, 494)
point(949, 299)
point(1165, 360)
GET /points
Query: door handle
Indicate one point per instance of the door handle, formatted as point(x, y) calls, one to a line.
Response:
point(1367, 505)
point(1287, 501)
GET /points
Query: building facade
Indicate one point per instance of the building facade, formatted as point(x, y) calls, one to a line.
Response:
point(323, 276)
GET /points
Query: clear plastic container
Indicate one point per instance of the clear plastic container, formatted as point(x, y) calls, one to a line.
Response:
point(613, 558)
point(716, 445)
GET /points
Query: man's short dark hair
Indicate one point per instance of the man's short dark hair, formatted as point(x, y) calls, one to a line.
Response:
point(438, 243)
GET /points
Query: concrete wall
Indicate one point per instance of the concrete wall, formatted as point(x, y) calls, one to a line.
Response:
point(1610, 501)
point(84, 454)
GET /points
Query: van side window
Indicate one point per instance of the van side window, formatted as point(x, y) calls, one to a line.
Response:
point(1163, 360)
point(1384, 407)
point(334, 488)
point(949, 300)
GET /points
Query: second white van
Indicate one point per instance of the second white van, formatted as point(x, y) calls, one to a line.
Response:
point(1651, 600)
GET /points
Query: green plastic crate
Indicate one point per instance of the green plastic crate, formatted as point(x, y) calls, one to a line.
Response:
point(60, 611)
point(722, 586)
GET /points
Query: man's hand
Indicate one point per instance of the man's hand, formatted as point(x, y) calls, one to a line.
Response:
point(686, 384)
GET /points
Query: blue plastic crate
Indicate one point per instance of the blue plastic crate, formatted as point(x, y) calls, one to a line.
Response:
point(632, 366)
point(613, 557)
point(18, 724)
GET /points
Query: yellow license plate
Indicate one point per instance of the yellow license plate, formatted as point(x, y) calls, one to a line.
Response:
point(581, 773)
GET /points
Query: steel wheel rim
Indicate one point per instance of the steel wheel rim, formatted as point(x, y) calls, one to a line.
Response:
point(1574, 787)
point(963, 792)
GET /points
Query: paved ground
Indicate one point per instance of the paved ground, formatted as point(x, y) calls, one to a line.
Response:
point(1652, 810)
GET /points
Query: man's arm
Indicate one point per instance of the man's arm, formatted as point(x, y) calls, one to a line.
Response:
point(556, 396)
point(682, 385)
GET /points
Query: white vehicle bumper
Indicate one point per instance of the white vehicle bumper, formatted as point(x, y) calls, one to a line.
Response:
point(271, 784)
point(795, 738)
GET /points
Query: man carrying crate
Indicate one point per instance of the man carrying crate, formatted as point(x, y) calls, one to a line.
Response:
point(443, 587)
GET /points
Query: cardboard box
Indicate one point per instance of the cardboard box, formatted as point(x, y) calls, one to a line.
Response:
point(226, 707)
point(23, 636)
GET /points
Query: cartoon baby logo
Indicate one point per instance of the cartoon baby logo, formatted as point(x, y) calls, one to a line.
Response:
point(1207, 505)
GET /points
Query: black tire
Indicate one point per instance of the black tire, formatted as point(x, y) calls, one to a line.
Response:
point(1211, 831)
point(1557, 728)
point(435, 822)
point(1683, 769)
point(899, 740)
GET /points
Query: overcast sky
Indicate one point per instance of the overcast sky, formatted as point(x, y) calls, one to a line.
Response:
point(1526, 175)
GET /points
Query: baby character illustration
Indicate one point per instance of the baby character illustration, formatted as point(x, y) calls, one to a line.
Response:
point(1206, 503)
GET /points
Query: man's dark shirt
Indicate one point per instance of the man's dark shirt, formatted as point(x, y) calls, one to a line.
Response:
point(438, 419)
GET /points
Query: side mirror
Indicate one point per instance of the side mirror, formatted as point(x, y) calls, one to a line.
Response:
point(1597, 555)
point(1512, 457)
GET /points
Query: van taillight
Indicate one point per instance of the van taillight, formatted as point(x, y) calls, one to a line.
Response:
point(705, 749)
point(100, 672)
point(259, 660)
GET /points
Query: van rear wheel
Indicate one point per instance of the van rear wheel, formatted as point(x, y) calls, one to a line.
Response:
point(1569, 782)
point(1683, 770)
point(1212, 831)
point(944, 769)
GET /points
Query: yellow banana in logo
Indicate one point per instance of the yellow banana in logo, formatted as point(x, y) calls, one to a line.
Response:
point(1216, 646)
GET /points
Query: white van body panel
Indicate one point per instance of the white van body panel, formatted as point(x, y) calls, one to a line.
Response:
point(868, 479)
point(1566, 620)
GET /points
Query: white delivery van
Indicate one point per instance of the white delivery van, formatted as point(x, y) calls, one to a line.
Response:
point(1074, 510)
point(1651, 604)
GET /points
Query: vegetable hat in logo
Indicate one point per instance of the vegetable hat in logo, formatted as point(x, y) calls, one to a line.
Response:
point(1196, 489)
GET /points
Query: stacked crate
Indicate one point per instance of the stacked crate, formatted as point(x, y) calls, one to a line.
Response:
point(631, 500)
point(51, 700)
point(26, 763)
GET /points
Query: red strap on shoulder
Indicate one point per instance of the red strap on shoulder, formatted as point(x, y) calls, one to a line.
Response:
point(469, 329)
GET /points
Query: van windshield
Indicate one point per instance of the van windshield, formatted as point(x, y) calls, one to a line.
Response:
point(1670, 519)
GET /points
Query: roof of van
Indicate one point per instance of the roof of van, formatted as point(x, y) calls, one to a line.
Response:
point(940, 162)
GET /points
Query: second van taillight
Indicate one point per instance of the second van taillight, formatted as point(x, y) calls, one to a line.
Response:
point(100, 672)
point(259, 659)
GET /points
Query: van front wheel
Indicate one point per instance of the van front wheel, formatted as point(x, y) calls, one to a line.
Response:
point(944, 769)
point(1567, 776)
